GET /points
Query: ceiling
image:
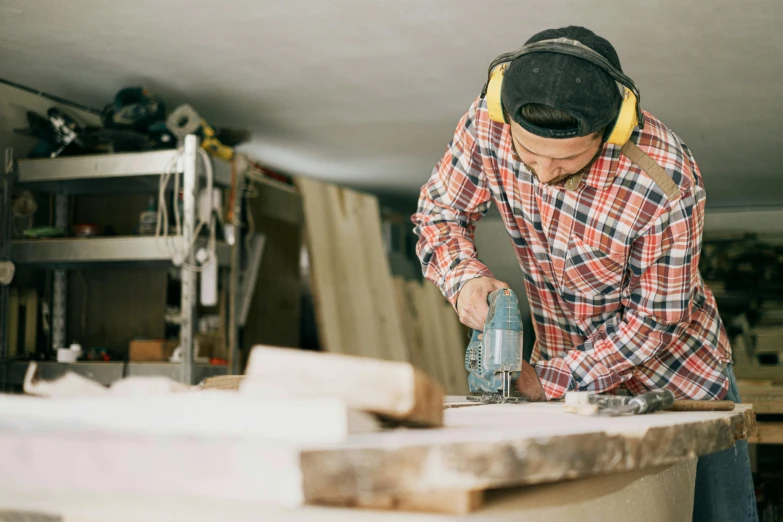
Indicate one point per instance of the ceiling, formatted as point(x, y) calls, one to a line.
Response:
point(367, 92)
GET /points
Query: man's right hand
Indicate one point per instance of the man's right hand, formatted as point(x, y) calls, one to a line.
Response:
point(472, 304)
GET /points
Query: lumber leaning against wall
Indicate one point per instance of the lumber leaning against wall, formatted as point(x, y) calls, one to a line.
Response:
point(435, 337)
point(351, 280)
point(360, 309)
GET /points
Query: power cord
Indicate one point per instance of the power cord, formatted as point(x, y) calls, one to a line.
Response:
point(162, 227)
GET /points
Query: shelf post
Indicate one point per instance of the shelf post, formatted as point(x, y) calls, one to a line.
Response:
point(189, 290)
point(60, 283)
point(6, 226)
point(233, 327)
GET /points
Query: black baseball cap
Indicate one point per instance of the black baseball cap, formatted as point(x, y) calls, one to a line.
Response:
point(573, 85)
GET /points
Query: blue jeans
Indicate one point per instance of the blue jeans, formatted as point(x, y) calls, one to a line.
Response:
point(724, 484)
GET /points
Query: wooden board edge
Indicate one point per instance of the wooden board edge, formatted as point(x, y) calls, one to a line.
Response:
point(765, 405)
point(747, 425)
point(302, 186)
point(428, 397)
point(332, 476)
point(767, 433)
point(222, 382)
point(773, 374)
point(447, 502)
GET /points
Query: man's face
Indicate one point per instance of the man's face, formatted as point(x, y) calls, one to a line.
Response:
point(554, 159)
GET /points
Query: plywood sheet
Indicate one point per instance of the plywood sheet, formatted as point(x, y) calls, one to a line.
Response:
point(351, 281)
point(212, 413)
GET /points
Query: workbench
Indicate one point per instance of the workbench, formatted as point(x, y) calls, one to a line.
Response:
point(490, 462)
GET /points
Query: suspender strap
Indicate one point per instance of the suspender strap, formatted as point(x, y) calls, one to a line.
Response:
point(649, 166)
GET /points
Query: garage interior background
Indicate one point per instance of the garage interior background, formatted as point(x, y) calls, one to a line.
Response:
point(366, 94)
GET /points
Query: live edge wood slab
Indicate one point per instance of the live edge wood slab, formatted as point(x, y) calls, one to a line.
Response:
point(492, 446)
point(444, 469)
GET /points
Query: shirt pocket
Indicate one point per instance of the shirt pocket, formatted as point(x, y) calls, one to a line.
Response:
point(590, 271)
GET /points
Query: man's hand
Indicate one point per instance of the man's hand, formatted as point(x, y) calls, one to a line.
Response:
point(529, 385)
point(472, 304)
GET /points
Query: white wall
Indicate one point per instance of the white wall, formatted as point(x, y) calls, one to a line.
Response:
point(756, 221)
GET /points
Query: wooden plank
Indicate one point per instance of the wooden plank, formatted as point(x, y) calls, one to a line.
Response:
point(222, 382)
point(482, 447)
point(322, 420)
point(416, 350)
point(764, 404)
point(765, 397)
point(328, 292)
point(354, 277)
point(395, 390)
point(434, 304)
point(761, 372)
point(767, 433)
point(30, 297)
point(381, 285)
point(455, 346)
point(13, 322)
point(442, 346)
point(554, 447)
point(452, 502)
point(407, 311)
point(659, 494)
point(769, 339)
point(427, 328)
point(350, 277)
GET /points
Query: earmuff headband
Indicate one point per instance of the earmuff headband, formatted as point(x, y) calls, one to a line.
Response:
point(573, 48)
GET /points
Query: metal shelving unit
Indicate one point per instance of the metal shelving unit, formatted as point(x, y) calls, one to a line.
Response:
point(60, 253)
point(108, 372)
point(109, 173)
point(128, 173)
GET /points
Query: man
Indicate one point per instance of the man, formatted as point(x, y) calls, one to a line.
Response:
point(609, 245)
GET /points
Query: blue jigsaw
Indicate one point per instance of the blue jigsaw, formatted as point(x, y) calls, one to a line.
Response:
point(494, 358)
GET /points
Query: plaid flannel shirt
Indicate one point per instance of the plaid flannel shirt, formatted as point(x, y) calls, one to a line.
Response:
point(610, 265)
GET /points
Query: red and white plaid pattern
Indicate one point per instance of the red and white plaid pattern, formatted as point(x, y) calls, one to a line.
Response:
point(610, 267)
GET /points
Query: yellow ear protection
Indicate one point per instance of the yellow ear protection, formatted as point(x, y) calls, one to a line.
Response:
point(630, 113)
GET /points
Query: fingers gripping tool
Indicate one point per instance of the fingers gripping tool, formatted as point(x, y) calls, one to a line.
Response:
point(494, 357)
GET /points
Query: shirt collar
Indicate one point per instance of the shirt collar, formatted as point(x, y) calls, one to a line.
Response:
point(603, 171)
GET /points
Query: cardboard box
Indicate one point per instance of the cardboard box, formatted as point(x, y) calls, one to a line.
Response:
point(151, 349)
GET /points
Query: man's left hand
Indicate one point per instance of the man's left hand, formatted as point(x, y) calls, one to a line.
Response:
point(529, 385)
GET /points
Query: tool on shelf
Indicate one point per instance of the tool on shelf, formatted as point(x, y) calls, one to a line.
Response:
point(494, 357)
point(185, 120)
point(589, 403)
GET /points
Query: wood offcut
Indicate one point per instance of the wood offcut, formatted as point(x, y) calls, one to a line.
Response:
point(390, 389)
